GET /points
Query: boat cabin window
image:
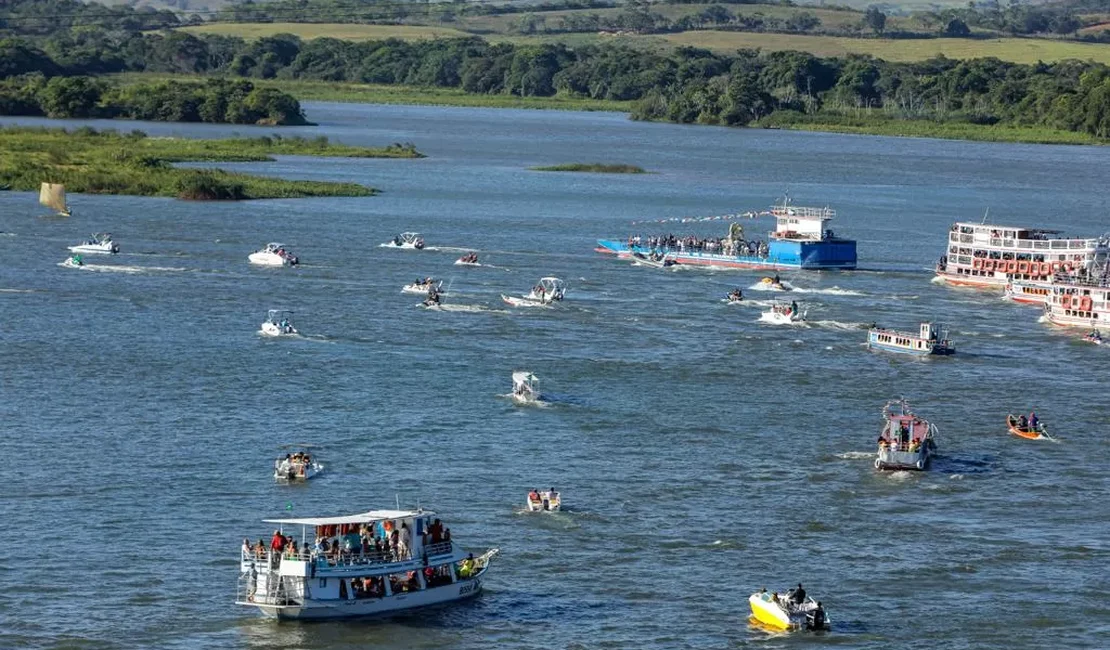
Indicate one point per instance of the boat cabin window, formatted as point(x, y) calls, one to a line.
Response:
point(405, 582)
point(368, 587)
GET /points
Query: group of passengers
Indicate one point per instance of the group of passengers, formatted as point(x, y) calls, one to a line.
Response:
point(1028, 424)
point(723, 245)
point(376, 542)
point(298, 458)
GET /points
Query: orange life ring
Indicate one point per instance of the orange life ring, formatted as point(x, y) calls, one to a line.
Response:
point(1055, 266)
point(1046, 268)
point(1085, 303)
point(1066, 301)
point(1011, 266)
point(988, 265)
point(977, 264)
point(1023, 267)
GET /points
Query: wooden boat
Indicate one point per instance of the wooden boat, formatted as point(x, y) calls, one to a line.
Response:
point(1027, 433)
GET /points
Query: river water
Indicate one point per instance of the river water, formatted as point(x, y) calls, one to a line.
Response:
point(701, 454)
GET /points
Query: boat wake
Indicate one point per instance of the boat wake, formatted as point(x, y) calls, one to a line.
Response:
point(108, 268)
point(831, 291)
point(470, 309)
point(538, 403)
point(856, 455)
point(771, 320)
point(838, 325)
point(768, 287)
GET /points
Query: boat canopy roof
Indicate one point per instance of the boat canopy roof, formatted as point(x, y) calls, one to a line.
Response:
point(552, 282)
point(299, 445)
point(523, 377)
point(274, 245)
point(362, 518)
point(410, 235)
point(273, 313)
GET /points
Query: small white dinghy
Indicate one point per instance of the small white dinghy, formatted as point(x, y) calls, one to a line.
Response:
point(273, 254)
point(101, 242)
point(407, 240)
point(299, 464)
point(783, 314)
point(548, 291)
point(279, 322)
point(548, 501)
point(424, 287)
point(525, 390)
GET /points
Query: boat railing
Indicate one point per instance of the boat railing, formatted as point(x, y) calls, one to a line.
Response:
point(1038, 244)
point(342, 558)
point(794, 211)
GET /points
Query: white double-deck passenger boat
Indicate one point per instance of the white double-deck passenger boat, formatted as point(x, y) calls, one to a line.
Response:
point(548, 501)
point(986, 255)
point(931, 338)
point(407, 240)
point(906, 441)
point(279, 322)
point(100, 242)
point(548, 291)
point(376, 563)
point(298, 464)
point(273, 254)
point(1078, 302)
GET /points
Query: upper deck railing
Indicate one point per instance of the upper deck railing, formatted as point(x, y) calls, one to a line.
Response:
point(1029, 244)
point(343, 558)
point(802, 212)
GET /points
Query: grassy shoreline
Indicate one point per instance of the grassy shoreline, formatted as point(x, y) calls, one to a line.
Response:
point(107, 162)
point(827, 123)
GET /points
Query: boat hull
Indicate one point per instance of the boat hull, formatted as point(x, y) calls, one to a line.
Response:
point(836, 254)
point(772, 615)
point(904, 460)
point(269, 329)
point(268, 259)
point(318, 610)
point(98, 249)
point(1022, 433)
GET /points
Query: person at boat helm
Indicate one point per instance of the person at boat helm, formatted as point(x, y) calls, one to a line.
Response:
point(1022, 422)
point(799, 594)
point(534, 495)
point(1033, 420)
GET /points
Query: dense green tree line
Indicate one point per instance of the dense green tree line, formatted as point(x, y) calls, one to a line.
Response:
point(31, 17)
point(223, 101)
point(686, 85)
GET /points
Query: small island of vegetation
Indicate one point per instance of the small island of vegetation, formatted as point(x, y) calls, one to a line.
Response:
point(595, 168)
point(108, 162)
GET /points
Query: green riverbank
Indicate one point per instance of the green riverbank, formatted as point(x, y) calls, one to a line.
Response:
point(107, 162)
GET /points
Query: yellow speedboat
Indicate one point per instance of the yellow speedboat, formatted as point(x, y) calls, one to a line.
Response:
point(783, 613)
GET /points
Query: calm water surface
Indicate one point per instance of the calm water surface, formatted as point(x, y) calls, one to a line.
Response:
point(702, 454)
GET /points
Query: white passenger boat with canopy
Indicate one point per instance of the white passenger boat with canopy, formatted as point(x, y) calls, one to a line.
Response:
point(525, 389)
point(374, 563)
point(279, 322)
point(273, 254)
point(906, 440)
point(548, 291)
point(407, 240)
point(299, 464)
point(53, 196)
point(100, 242)
point(988, 255)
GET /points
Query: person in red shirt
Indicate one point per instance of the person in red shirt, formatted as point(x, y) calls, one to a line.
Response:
point(277, 543)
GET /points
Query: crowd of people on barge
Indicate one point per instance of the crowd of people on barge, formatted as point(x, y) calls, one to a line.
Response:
point(690, 243)
point(385, 541)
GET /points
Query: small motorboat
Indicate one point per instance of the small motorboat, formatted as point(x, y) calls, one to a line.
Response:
point(273, 254)
point(407, 240)
point(773, 284)
point(735, 297)
point(654, 259)
point(525, 390)
point(1093, 337)
point(1019, 426)
point(792, 611)
point(279, 322)
point(548, 501)
point(298, 464)
point(784, 314)
point(931, 339)
point(101, 242)
point(74, 261)
point(470, 259)
point(906, 441)
point(548, 291)
point(423, 287)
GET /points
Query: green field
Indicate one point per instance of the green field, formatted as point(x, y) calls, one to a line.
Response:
point(344, 31)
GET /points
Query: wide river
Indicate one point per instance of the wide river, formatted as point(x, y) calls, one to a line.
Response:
point(701, 453)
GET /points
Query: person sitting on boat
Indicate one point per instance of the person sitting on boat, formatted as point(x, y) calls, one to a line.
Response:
point(1023, 424)
point(534, 496)
point(466, 567)
point(1033, 421)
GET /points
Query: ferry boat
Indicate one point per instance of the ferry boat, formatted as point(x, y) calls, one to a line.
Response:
point(930, 339)
point(799, 241)
point(787, 612)
point(1078, 302)
point(1028, 292)
point(906, 441)
point(373, 563)
point(986, 255)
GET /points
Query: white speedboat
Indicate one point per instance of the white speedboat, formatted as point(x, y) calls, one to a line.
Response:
point(279, 322)
point(525, 390)
point(470, 259)
point(790, 611)
point(548, 291)
point(423, 287)
point(548, 501)
point(273, 254)
point(74, 261)
point(376, 563)
point(407, 240)
point(783, 314)
point(101, 242)
point(298, 464)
